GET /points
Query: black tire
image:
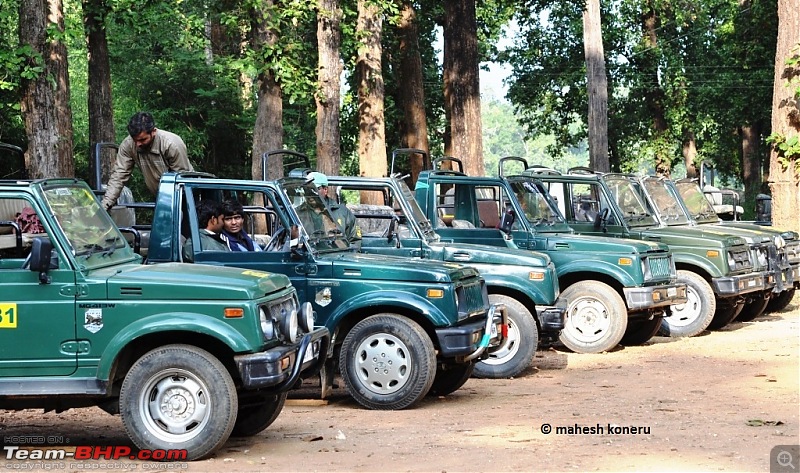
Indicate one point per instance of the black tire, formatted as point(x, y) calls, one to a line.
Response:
point(254, 418)
point(726, 312)
point(753, 309)
point(781, 301)
point(519, 348)
point(596, 317)
point(641, 330)
point(450, 377)
point(178, 397)
point(691, 318)
point(387, 362)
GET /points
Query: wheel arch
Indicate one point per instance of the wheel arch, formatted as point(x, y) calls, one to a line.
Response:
point(568, 279)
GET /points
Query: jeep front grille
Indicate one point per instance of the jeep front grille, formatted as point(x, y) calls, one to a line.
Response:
point(278, 309)
point(658, 267)
point(740, 257)
point(760, 256)
point(472, 298)
point(793, 251)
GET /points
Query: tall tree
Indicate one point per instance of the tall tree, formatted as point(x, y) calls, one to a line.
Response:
point(101, 108)
point(784, 159)
point(45, 99)
point(654, 95)
point(329, 40)
point(597, 87)
point(268, 131)
point(411, 92)
point(462, 86)
point(371, 131)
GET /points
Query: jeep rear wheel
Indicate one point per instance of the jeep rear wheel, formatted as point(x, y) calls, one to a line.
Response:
point(727, 310)
point(518, 349)
point(178, 397)
point(641, 330)
point(779, 302)
point(691, 318)
point(450, 377)
point(254, 417)
point(753, 309)
point(596, 317)
point(387, 362)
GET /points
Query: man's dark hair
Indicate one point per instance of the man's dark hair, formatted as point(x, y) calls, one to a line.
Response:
point(232, 207)
point(208, 209)
point(141, 122)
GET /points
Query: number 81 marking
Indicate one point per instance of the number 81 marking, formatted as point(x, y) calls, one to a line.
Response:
point(8, 315)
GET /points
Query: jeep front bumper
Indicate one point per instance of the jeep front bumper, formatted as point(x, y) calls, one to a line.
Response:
point(551, 319)
point(470, 341)
point(279, 368)
point(649, 297)
point(737, 285)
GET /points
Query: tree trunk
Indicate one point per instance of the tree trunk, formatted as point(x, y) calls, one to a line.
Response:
point(784, 181)
point(268, 132)
point(462, 96)
point(654, 96)
point(751, 168)
point(597, 85)
point(101, 108)
point(371, 126)
point(45, 99)
point(690, 154)
point(329, 40)
point(411, 95)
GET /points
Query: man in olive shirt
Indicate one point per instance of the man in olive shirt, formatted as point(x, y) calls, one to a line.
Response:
point(154, 151)
point(210, 216)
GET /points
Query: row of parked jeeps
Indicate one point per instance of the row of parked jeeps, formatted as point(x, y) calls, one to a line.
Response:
point(463, 276)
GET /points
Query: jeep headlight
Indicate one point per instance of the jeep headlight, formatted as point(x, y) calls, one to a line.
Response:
point(779, 241)
point(306, 317)
point(267, 327)
point(731, 260)
point(289, 324)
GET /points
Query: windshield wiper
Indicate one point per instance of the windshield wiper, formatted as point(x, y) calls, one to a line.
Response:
point(89, 249)
point(110, 250)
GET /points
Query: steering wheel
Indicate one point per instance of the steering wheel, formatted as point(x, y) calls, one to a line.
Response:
point(277, 240)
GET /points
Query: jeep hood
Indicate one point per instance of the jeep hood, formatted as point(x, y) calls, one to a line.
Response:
point(363, 266)
point(184, 281)
point(694, 236)
point(466, 253)
point(599, 244)
point(750, 235)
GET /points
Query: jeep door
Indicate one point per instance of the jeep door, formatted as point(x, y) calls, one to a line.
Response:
point(37, 317)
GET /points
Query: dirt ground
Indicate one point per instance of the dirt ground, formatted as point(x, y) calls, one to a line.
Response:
point(717, 402)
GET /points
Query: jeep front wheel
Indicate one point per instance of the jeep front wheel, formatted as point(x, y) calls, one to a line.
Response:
point(596, 317)
point(450, 377)
point(518, 349)
point(178, 397)
point(387, 362)
point(258, 414)
point(694, 316)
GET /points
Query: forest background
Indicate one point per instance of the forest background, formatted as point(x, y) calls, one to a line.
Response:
point(348, 81)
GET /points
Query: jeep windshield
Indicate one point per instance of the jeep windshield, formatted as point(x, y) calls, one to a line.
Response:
point(699, 207)
point(416, 212)
point(324, 234)
point(665, 200)
point(91, 233)
point(631, 205)
point(539, 208)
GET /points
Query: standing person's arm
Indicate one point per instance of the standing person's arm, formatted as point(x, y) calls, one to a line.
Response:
point(122, 172)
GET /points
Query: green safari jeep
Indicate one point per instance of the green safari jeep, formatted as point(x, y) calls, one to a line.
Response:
point(615, 290)
point(186, 354)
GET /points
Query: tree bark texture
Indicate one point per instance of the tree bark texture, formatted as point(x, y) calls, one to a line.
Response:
point(654, 96)
point(689, 149)
point(45, 99)
point(268, 132)
point(371, 125)
point(329, 41)
point(784, 182)
point(597, 85)
point(751, 167)
point(411, 95)
point(101, 109)
point(462, 86)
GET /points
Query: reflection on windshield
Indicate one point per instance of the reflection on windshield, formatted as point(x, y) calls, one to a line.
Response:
point(536, 203)
point(700, 208)
point(324, 234)
point(630, 202)
point(666, 201)
point(87, 227)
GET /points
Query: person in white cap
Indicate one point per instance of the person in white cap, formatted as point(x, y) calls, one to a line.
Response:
point(344, 217)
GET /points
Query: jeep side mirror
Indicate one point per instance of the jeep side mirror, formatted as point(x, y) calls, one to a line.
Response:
point(601, 219)
point(40, 258)
point(507, 220)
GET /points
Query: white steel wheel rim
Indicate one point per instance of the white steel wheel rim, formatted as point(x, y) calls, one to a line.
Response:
point(588, 320)
point(508, 349)
point(685, 314)
point(175, 405)
point(383, 363)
